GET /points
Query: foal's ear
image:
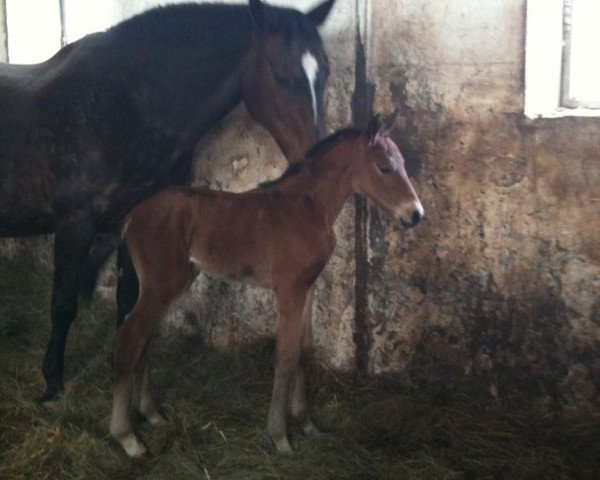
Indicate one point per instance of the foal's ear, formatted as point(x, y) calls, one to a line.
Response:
point(257, 10)
point(320, 13)
point(389, 121)
point(373, 128)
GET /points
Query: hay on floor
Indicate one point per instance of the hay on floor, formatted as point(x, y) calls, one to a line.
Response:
point(217, 404)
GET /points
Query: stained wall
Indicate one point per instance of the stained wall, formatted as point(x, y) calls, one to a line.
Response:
point(501, 283)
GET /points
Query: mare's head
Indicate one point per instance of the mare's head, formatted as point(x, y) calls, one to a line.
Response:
point(379, 173)
point(284, 75)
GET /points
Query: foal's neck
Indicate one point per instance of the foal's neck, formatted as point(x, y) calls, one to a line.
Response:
point(328, 182)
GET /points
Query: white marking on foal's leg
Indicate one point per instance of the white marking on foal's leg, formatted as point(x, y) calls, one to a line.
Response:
point(311, 68)
point(298, 408)
point(147, 405)
point(276, 424)
point(132, 446)
point(120, 424)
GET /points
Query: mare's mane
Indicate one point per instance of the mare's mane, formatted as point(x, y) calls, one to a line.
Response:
point(315, 152)
point(220, 26)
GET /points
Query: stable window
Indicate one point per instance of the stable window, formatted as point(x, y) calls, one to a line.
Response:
point(562, 67)
point(36, 29)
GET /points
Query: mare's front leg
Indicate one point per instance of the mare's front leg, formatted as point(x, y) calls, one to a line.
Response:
point(72, 243)
point(297, 402)
point(290, 329)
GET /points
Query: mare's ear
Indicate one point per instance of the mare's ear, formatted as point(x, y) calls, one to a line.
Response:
point(389, 121)
point(373, 128)
point(257, 10)
point(318, 14)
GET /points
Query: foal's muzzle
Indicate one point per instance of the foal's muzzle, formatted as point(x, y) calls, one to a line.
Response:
point(412, 215)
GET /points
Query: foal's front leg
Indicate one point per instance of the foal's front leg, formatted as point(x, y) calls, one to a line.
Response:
point(297, 402)
point(290, 330)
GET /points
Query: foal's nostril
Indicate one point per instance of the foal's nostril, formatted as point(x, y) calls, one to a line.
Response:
point(416, 217)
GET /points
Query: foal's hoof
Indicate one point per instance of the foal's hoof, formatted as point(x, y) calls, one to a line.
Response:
point(310, 430)
point(132, 446)
point(156, 419)
point(282, 445)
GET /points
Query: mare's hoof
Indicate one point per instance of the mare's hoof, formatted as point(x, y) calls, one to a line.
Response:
point(51, 396)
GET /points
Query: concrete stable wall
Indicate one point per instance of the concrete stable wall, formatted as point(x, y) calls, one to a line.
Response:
point(236, 156)
point(502, 281)
point(500, 284)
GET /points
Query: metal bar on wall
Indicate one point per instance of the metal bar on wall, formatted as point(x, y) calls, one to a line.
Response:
point(4, 32)
point(565, 97)
point(63, 29)
point(362, 109)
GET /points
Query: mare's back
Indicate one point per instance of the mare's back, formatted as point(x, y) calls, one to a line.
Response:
point(150, 47)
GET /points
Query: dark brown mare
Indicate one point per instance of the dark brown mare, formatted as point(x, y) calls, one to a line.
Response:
point(279, 236)
point(114, 117)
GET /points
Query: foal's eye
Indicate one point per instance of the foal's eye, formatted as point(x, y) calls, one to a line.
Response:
point(386, 169)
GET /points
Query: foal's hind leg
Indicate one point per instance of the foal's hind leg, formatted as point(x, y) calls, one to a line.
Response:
point(130, 343)
point(142, 391)
point(297, 402)
point(161, 282)
point(289, 334)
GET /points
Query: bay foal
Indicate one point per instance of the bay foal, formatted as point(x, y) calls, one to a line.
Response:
point(279, 236)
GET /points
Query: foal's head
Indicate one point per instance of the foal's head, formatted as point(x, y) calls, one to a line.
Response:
point(284, 75)
point(379, 173)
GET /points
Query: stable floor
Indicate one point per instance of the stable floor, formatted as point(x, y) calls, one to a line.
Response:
point(217, 405)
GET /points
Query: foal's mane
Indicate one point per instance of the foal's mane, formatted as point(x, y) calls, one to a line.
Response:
point(315, 152)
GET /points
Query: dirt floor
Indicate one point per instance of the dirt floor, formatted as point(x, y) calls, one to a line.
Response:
point(217, 404)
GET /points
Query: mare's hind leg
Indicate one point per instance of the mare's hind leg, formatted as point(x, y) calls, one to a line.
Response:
point(72, 243)
point(297, 402)
point(290, 329)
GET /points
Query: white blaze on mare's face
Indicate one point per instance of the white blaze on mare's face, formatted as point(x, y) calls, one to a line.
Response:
point(311, 68)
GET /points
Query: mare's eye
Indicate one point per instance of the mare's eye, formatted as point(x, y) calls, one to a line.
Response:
point(386, 169)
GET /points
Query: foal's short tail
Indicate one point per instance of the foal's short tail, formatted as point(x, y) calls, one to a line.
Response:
point(103, 247)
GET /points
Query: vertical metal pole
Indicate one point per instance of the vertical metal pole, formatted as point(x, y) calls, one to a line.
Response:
point(63, 29)
point(565, 97)
point(4, 29)
point(362, 107)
